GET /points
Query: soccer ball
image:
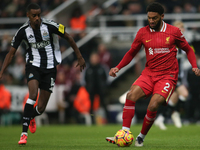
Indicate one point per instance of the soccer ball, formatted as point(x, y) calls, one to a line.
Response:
point(123, 138)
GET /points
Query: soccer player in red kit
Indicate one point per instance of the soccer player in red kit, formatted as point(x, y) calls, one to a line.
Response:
point(161, 69)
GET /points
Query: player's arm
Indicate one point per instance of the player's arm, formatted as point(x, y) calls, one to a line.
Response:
point(192, 58)
point(14, 46)
point(183, 44)
point(127, 57)
point(59, 29)
point(7, 60)
point(135, 47)
point(125, 61)
point(81, 61)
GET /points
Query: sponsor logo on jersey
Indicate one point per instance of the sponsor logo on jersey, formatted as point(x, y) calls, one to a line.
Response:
point(150, 51)
point(38, 45)
point(158, 50)
point(52, 84)
point(161, 50)
point(30, 75)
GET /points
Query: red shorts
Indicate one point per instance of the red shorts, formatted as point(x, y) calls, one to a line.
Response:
point(162, 85)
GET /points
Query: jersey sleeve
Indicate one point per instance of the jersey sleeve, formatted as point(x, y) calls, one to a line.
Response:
point(184, 45)
point(56, 28)
point(135, 47)
point(180, 39)
point(17, 39)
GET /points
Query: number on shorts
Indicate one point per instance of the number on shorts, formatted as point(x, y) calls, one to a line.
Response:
point(52, 82)
point(166, 87)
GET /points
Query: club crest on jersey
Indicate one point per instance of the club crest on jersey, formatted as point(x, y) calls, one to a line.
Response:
point(167, 40)
point(45, 34)
point(30, 75)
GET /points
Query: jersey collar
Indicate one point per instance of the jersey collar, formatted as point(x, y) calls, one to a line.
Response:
point(163, 29)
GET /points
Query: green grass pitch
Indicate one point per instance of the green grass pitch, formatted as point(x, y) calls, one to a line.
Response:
point(80, 137)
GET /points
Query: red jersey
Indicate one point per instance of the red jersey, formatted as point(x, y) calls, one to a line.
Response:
point(160, 48)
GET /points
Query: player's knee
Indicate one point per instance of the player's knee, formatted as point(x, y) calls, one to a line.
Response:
point(185, 94)
point(154, 106)
point(183, 97)
point(41, 109)
point(131, 96)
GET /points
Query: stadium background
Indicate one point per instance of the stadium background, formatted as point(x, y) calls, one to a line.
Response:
point(107, 24)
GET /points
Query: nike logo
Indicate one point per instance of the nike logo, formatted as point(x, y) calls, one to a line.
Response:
point(148, 40)
point(164, 91)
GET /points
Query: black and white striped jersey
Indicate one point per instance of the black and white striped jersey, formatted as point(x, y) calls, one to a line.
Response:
point(42, 45)
point(181, 56)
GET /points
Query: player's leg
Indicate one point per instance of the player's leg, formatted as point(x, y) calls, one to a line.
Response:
point(160, 122)
point(149, 118)
point(46, 88)
point(182, 90)
point(28, 109)
point(103, 103)
point(132, 96)
point(165, 112)
point(163, 89)
point(182, 94)
point(42, 103)
point(92, 95)
point(141, 87)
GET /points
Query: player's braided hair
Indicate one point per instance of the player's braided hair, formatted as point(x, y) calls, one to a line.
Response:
point(155, 7)
point(32, 6)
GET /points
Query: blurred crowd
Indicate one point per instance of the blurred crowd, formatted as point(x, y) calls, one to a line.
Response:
point(68, 75)
point(17, 8)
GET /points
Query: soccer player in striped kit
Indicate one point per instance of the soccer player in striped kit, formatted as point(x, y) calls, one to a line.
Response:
point(160, 75)
point(42, 56)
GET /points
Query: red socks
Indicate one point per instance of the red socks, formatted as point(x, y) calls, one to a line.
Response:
point(128, 113)
point(148, 121)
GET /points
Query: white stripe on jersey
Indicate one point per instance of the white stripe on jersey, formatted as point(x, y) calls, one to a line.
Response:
point(48, 48)
point(31, 39)
point(55, 41)
point(57, 48)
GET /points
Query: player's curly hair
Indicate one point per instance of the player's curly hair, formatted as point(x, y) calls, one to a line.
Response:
point(32, 6)
point(155, 7)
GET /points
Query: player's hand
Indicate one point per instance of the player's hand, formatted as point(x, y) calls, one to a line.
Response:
point(196, 71)
point(113, 72)
point(81, 63)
